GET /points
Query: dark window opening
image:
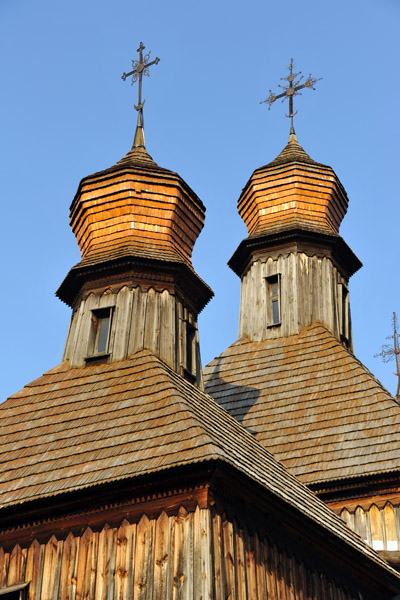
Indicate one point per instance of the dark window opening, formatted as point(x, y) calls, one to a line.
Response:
point(99, 342)
point(274, 303)
point(15, 592)
point(103, 325)
point(345, 313)
point(190, 347)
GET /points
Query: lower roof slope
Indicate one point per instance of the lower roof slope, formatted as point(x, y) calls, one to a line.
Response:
point(311, 403)
point(75, 428)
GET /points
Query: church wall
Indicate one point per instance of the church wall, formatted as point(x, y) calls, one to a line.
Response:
point(189, 555)
point(378, 524)
point(311, 290)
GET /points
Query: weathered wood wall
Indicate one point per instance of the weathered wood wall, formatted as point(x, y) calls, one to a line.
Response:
point(143, 318)
point(378, 526)
point(310, 290)
point(191, 556)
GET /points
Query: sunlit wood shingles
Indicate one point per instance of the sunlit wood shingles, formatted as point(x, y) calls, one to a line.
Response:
point(136, 207)
point(293, 191)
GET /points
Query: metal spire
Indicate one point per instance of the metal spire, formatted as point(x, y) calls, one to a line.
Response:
point(292, 89)
point(140, 68)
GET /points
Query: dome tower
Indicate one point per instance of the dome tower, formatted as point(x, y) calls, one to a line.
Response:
point(294, 265)
point(135, 287)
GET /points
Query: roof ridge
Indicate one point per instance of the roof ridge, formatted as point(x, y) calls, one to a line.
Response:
point(354, 358)
point(173, 376)
point(265, 390)
point(253, 441)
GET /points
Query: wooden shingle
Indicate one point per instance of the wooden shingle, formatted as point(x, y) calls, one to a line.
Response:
point(311, 403)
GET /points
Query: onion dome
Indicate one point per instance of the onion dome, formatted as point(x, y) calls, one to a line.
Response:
point(137, 210)
point(293, 191)
point(136, 207)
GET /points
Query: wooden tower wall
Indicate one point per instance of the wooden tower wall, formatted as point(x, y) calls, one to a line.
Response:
point(142, 318)
point(311, 290)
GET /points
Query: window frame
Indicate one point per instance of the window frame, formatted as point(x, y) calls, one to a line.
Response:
point(344, 313)
point(98, 315)
point(190, 358)
point(272, 298)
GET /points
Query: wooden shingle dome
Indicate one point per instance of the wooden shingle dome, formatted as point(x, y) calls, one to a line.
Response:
point(138, 207)
point(294, 266)
point(293, 191)
point(135, 286)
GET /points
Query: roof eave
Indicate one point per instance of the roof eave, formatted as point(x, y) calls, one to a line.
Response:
point(334, 244)
point(70, 288)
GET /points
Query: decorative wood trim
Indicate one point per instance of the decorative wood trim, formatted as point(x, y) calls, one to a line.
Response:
point(65, 515)
point(198, 514)
point(357, 488)
point(295, 240)
point(365, 502)
point(130, 270)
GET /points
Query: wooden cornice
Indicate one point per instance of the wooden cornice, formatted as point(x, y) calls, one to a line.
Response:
point(108, 503)
point(160, 274)
point(284, 241)
point(357, 488)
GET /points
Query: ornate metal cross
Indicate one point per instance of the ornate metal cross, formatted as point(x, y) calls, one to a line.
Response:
point(140, 68)
point(292, 89)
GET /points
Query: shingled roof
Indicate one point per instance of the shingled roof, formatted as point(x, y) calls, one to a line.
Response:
point(76, 428)
point(292, 152)
point(311, 403)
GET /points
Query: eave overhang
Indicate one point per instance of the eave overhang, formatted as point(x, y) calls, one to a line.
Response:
point(282, 241)
point(362, 486)
point(185, 278)
point(210, 484)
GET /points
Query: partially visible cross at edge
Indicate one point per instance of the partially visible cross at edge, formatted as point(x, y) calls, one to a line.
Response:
point(140, 68)
point(292, 89)
point(390, 351)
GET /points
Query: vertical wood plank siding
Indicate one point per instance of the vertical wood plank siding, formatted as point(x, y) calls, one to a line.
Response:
point(190, 556)
point(310, 291)
point(143, 318)
point(379, 527)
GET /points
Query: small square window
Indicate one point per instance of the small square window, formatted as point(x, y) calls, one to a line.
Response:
point(273, 300)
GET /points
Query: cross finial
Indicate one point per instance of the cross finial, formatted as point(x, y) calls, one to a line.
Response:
point(140, 68)
point(292, 89)
point(390, 351)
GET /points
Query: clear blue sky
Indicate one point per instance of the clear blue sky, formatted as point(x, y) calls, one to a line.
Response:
point(65, 113)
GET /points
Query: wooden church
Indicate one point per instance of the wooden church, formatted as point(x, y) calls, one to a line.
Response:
point(121, 478)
